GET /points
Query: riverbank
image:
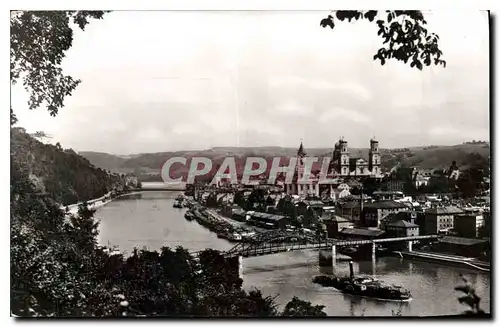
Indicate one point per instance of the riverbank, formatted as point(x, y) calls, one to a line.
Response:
point(151, 222)
point(96, 203)
point(216, 224)
point(445, 259)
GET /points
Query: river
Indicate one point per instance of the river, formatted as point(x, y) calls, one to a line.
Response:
point(149, 220)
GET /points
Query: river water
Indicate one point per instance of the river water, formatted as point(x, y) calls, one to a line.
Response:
point(149, 220)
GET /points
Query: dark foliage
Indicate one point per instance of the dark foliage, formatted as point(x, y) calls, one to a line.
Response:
point(299, 308)
point(39, 41)
point(469, 299)
point(403, 32)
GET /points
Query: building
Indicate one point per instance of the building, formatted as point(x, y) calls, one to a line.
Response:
point(266, 220)
point(387, 195)
point(336, 224)
point(468, 247)
point(439, 220)
point(487, 224)
point(342, 167)
point(469, 224)
point(409, 216)
point(401, 228)
point(361, 234)
point(374, 212)
point(304, 189)
point(421, 178)
point(350, 210)
point(394, 185)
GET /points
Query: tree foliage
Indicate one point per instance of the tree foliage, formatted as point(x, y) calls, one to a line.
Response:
point(299, 308)
point(404, 32)
point(38, 43)
point(64, 175)
point(469, 298)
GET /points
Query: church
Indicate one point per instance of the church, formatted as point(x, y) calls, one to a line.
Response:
point(342, 169)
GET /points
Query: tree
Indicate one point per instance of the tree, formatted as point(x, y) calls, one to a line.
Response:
point(287, 207)
point(13, 118)
point(404, 33)
point(239, 199)
point(470, 299)
point(39, 41)
point(257, 200)
point(299, 308)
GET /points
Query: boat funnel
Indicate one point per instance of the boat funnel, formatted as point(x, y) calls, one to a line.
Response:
point(351, 268)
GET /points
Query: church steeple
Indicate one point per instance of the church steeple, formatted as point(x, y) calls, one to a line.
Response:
point(301, 152)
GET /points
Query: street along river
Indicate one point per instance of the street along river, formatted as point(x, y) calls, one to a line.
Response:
point(149, 220)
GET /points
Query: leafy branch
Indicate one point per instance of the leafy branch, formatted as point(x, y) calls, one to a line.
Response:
point(38, 43)
point(470, 298)
point(404, 32)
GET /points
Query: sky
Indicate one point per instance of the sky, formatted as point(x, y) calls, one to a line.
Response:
point(155, 81)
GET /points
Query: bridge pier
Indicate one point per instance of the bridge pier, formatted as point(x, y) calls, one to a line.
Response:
point(240, 266)
point(374, 250)
point(334, 255)
point(410, 246)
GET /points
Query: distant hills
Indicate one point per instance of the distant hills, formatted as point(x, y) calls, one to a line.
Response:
point(149, 164)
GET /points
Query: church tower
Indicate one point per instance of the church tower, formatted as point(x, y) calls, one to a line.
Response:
point(301, 154)
point(344, 157)
point(374, 157)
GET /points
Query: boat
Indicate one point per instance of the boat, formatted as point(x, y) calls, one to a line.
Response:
point(365, 287)
point(189, 215)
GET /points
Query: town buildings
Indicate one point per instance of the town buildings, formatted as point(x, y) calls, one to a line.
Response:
point(336, 224)
point(343, 164)
point(401, 228)
point(342, 169)
point(373, 213)
point(440, 220)
point(469, 224)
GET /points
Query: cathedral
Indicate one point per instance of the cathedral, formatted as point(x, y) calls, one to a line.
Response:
point(342, 169)
point(343, 165)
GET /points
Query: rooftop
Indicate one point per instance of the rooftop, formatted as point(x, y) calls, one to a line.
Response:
point(401, 223)
point(339, 219)
point(362, 232)
point(266, 216)
point(387, 193)
point(403, 215)
point(385, 205)
point(461, 240)
point(444, 210)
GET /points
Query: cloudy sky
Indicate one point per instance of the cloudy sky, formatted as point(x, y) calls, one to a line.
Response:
point(160, 81)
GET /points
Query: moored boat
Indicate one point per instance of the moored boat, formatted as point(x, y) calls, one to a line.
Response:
point(189, 215)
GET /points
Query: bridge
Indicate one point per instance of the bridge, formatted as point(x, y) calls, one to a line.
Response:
point(161, 186)
point(282, 241)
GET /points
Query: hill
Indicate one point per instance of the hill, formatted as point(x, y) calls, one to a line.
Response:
point(64, 175)
point(148, 165)
point(104, 160)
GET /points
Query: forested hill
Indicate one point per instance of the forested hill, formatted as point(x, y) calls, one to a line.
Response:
point(62, 174)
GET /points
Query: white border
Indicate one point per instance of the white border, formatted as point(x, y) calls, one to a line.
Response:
point(198, 5)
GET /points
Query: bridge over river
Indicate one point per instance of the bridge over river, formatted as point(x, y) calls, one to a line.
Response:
point(281, 241)
point(161, 186)
point(150, 221)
